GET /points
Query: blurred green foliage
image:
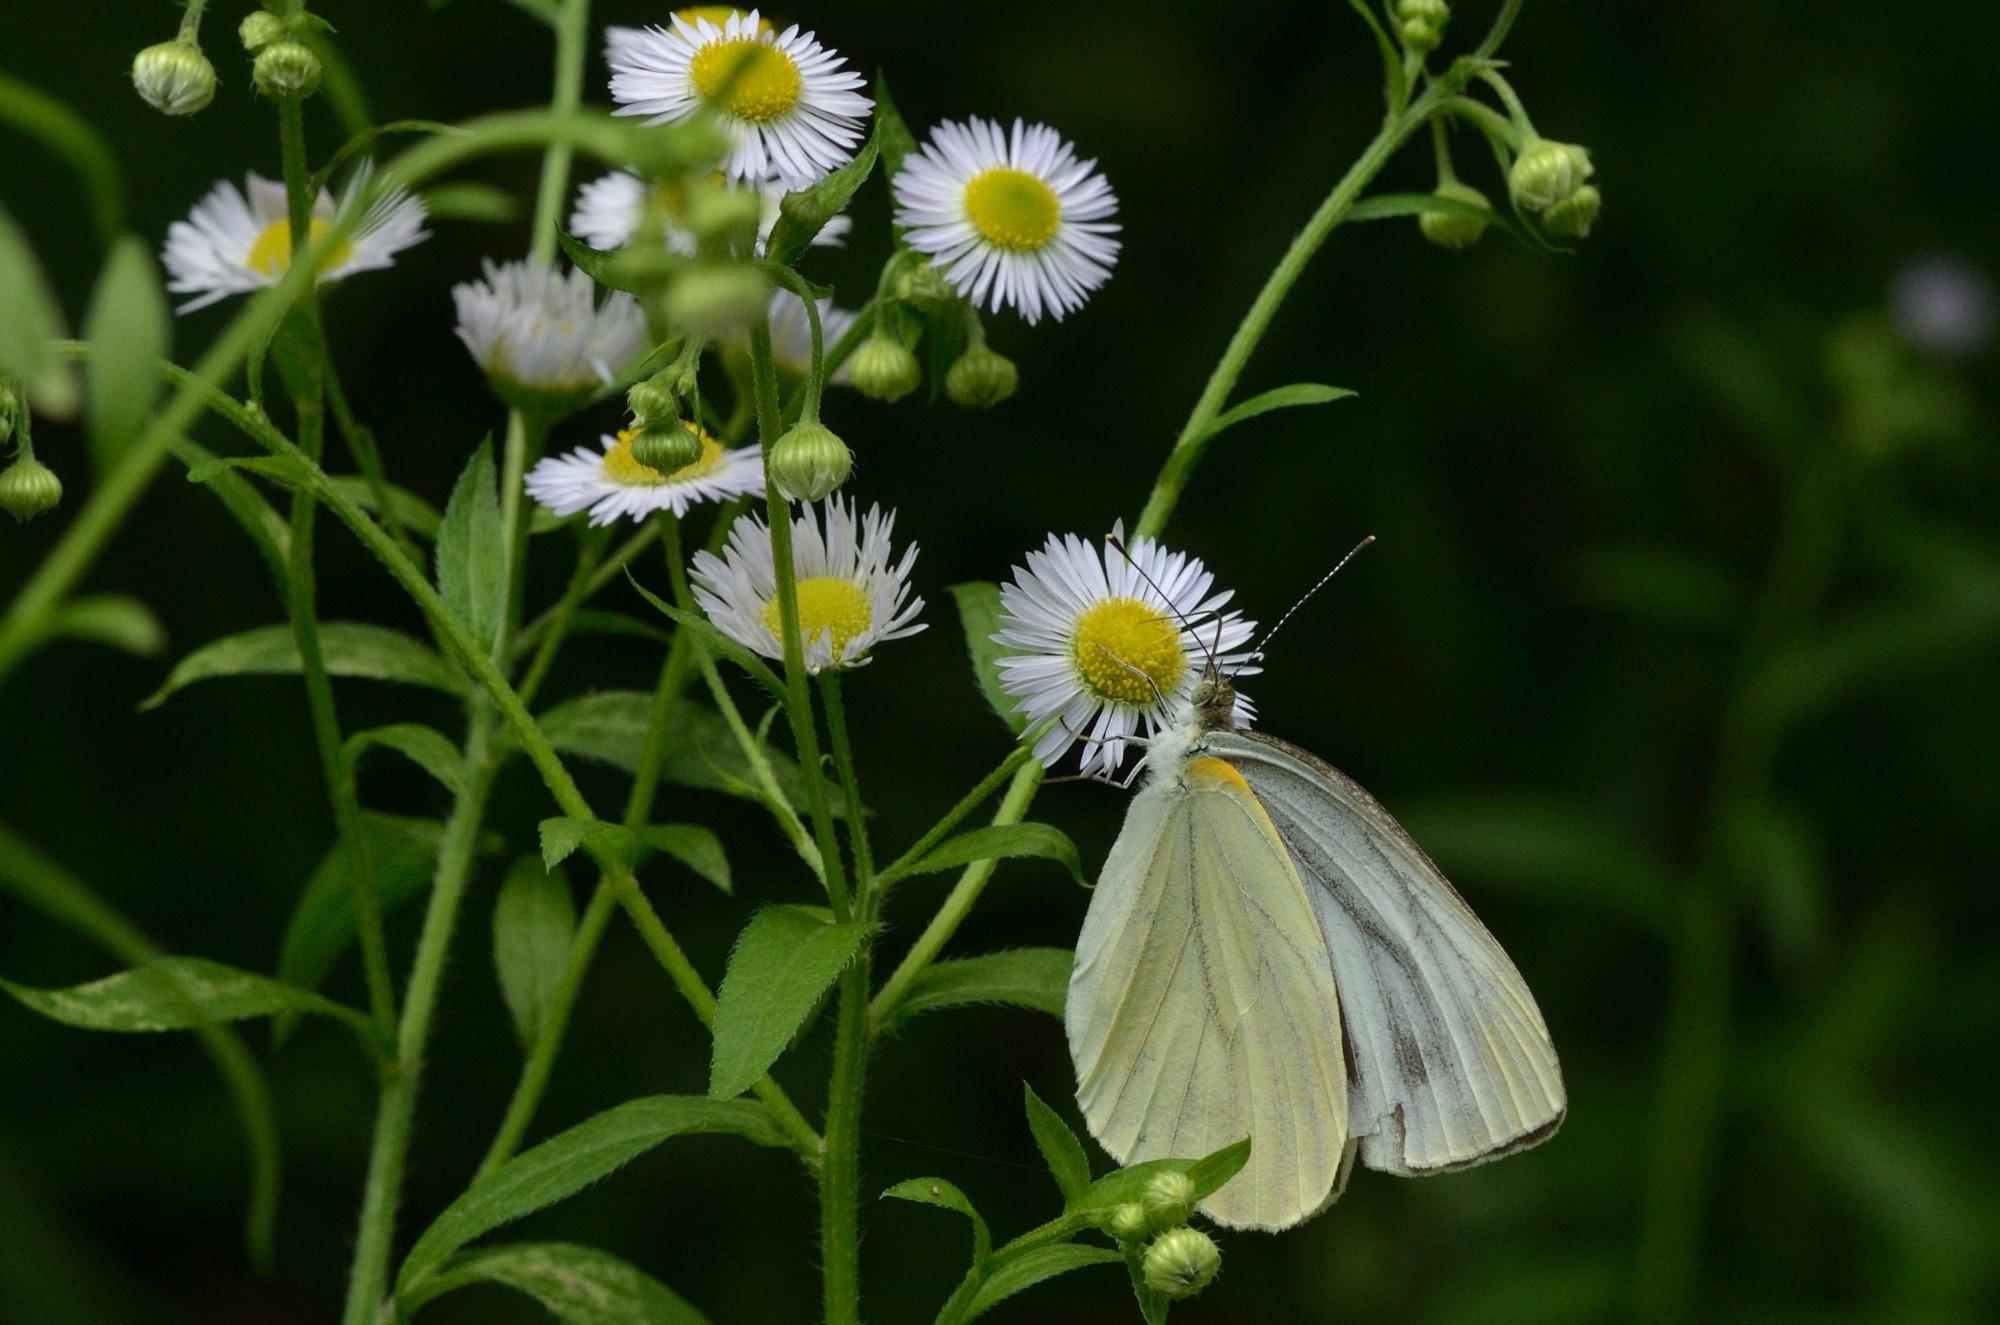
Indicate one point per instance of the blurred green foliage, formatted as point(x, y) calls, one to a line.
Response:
point(1677, 651)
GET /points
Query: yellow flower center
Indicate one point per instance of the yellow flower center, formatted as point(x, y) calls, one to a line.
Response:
point(1124, 650)
point(1012, 208)
point(826, 604)
point(623, 468)
point(272, 253)
point(746, 78)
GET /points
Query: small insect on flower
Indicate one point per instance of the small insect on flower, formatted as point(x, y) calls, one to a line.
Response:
point(1110, 638)
point(611, 210)
point(1011, 218)
point(788, 103)
point(236, 241)
point(540, 334)
point(613, 483)
point(852, 595)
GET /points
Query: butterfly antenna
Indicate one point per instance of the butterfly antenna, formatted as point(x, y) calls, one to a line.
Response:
point(1167, 598)
point(1306, 597)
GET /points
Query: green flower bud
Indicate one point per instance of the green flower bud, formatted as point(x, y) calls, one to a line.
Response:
point(809, 462)
point(723, 218)
point(286, 71)
point(653, 402)
point(9, 404)
point(981, 378)
point(1546, 173)
point(883, 370)
point(667, 448)
point(1181, 1262)
point(1573, 216)
point(1168, 1198)
point(1128, 1222)
point(713, 299)
point(174, 77)
point(28, 487)
point(924, 288)
point(1421, 23)
point(1454, 230)
point(259, 29)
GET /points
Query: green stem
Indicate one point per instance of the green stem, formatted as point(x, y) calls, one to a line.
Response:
point(536, 632)
point(522, 447)
point(850, 785)
point(590, 550)
point(572, 28)
point(840, 1178)
point(972, 800)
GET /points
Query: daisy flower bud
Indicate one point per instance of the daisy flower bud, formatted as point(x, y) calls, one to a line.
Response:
point(653, 401)
point(28, 487)
point(666, 446)
point(1421, 23)
point(1128, 1222)
point(613, 482)
point(809, 462)
point(174, 77)
point(1573, 216)
point(714, 299)
point(981, 378)
point(9, 403)
point(1168, 1199)
point(1181, 1262)
point(725, 220)
point(1454, 230)
point(286, 71)
point(1547, 173)
point(882, 369)
point(924, 288)
point(260, 27)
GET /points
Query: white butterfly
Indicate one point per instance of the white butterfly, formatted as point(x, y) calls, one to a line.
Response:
point(1268, 954)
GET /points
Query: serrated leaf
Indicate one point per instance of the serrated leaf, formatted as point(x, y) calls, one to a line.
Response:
point(785, 959)
point(30, 326)
point(175, 994)
point(1001, 842)
point(693, 846)
point(891, 132)
point(472, 550)
point(804, 213)
point(130, 330)
point(418, 516)
point(576, 1285)
point(426, 747)
point(534, 922)
point(1280, 397)
point(715, 641)
point(401, 855)
point(1061, 1151)
point(113, 620)
point(946, 1196)
point(979, 612)
point(351, 648)
point(562, 836)
point(1013, 1273)
point(1034, 978)
point(570, 1161)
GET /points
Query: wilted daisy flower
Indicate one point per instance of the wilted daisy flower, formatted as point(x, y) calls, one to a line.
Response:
point(611, 208)
point(1010, 218)
point(789, 104)
point(851, 597)
point(239, 240)
point(541, 332)
point(611, 483)
point(1101, 638)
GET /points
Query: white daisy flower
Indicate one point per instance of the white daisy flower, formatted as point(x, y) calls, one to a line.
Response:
point(611, 209)
point(1111, 642)
point(540, 331)
point(1010, 218)
point(851, 597)
point(612, 483)
point(789, 104)
point(236, 241)
point(791, 333)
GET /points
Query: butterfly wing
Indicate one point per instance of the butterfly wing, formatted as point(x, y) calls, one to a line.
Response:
point(1202, 1007)
point(1451, 1063)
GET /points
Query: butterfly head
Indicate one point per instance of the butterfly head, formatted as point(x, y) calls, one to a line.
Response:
point(1213, 701)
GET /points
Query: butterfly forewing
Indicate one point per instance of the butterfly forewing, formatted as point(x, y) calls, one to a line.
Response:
point(1202, 1006)
point(1451, 1061)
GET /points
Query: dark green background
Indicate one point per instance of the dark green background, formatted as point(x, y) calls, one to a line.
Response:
point(1582, 470)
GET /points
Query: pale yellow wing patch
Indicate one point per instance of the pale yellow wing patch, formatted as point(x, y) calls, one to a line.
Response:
point(1202, 1006)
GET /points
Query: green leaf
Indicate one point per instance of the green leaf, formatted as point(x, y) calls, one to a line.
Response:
point(426, 747)
point(1035, 978)
point(418, 516)
point(283, 470)
point(30, 327)
point(70, 137)
point(945, 1196)
point(1207, 1173)
point(576, 1285)
point(693, 846)
point(352, 648)
point(1280, 397)
point(468, 201)
point(715, 641)
point(700, 750)
point(891, 133)
point(1394, 82)
point(1386, 206)
point(1061, 1151)
point(594, 621)
point(401, 855)
point(113, 620)
point(472, 551)
point(570, 1161)
point(1011, 1273)
point(130, 330)
point(1001, 842)
point(785, 959)
point(562, 836)
point(803, 214)
point(602, 267)
point(534, 922)
point(979, 612)
point(175, 994)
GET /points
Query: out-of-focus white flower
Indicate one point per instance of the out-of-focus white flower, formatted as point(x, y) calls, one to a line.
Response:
point(1944, 304)
point(541, 331)
point(611, 209)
